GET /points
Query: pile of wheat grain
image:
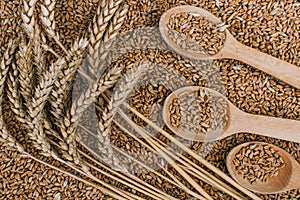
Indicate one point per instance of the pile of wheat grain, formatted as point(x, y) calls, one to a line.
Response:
point(271, 27)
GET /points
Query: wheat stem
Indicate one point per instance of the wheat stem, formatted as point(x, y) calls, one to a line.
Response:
point(193, 154)
point(166, 157)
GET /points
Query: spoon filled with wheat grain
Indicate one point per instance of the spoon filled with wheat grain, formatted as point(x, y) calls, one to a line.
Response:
point(203, 114)
point(263, 168)
point(198, 34)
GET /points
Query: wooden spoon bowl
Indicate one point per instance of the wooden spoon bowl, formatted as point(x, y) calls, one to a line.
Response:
point(237, 121)
point(191, 9)
point(288, 177)
point(232, 49)
point(209, 136)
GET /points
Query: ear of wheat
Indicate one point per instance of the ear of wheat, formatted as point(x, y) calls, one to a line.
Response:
point(25, 69)
point(110, 36)
point(122, 90)
point(6, 61)
point(28, 16)
point(13, 94)
point(35, 109)
point(105, 12)
point(69, 123)
point(48, 13)
point(65, 79)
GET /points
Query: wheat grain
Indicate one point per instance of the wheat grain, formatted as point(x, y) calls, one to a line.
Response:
point(195, 33)
point(105, 12)
point(258, 162)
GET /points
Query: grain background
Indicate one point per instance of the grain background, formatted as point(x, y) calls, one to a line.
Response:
point(271, 27)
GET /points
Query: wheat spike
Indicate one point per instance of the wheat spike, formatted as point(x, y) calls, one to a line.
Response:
point(25, 69)
point(69, 123)
point(12, 83)
point(123, 89)
point(113, 31)
point(7, 60)
point(89, 96)
point(42, 90)
point(7, 139)
point(13, 94)
point(48, 13)
point(105, 12)
point(51, 33)
point(109, 36)
point(65, 78)
point(39, 58)
point(28, 17)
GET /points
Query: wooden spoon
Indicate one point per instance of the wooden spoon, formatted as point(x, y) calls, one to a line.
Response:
point(238, 121)
point(233, 49)
point(288, 177)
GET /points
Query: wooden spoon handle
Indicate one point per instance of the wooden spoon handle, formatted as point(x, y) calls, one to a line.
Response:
point(264, 62)
point(280, 128)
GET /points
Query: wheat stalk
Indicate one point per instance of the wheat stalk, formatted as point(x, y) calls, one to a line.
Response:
point(27, 16)
point(122, 90)
point(105, 12)
point(169, 159)
point(187, 150)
